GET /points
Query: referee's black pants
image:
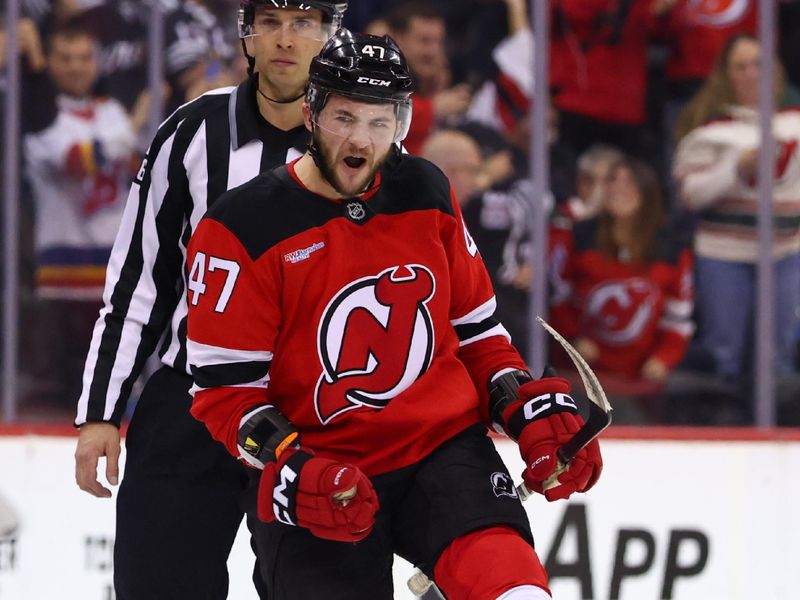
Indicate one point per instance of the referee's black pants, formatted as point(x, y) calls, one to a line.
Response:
point(180, 503)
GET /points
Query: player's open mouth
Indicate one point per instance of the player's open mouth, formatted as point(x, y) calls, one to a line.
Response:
point(355, 162)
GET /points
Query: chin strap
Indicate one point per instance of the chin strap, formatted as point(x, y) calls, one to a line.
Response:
point(314, 151)
point(251, 61)
point(295, 99)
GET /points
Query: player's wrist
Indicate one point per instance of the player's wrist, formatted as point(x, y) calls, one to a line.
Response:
point(503, 394)
point(265, 435)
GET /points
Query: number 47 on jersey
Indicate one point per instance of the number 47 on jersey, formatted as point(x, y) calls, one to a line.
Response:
point(197, 285)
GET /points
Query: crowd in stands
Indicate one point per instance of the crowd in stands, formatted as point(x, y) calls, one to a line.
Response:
point(653, 134)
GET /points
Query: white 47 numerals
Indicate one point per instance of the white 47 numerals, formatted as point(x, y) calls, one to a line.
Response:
point(197, 285)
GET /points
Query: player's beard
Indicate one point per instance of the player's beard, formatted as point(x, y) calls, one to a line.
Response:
point(326, 163)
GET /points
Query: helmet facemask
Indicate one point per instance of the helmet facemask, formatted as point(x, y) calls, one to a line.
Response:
point(368, 115)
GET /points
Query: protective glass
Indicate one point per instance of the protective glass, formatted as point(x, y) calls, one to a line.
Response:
point(378, 120)
point(276, 22)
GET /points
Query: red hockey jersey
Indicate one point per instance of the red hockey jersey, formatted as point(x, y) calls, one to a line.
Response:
point(697, 31)
point(368, 322)
point(632, 311)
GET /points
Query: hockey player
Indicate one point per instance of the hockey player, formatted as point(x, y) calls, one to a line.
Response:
point(180, 503)
point(342, 340)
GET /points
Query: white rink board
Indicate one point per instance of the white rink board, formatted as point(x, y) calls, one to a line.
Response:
point(739, 496)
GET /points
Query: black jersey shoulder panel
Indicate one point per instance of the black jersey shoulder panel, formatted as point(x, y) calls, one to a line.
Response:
point(412, 183)
point(269, 209)
point(274, 207)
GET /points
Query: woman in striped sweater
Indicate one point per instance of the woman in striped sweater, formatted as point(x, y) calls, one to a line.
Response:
point(716, 166)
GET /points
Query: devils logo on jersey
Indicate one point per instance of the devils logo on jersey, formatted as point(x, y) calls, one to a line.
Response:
point(375, 340)
point(618, 311)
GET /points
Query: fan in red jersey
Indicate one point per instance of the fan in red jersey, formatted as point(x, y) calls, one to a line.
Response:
point(343, 342)
point(625, 290)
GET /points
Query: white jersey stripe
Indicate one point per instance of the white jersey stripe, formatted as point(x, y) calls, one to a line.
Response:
point(202, 355)
point(146, 293)
point(244, 163)
point(496, 330)
point(483, 312)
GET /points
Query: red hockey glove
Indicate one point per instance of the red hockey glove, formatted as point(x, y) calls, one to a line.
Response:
point(335, 501)
point(543, 419)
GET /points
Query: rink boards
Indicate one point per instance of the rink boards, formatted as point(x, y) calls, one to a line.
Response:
point(686, 518)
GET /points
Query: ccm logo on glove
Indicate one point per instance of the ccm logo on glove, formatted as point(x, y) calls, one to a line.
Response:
point(335, 501)
point(280, 504)
point(543, 419)
point(536, 407)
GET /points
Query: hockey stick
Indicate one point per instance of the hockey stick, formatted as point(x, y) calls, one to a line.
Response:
point(599, 418)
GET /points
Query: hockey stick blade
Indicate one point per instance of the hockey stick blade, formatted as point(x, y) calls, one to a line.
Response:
point(594, 390)
point(599, 413)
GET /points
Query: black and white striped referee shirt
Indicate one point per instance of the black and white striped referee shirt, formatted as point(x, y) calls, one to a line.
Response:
point(210, 145)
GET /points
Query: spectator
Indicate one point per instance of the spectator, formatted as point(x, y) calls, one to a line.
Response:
point(362, 14)
point(593, 167)
point(716, 167)
point(197, 54)
point(420, 30)
point(79, 168)
point(695, 33)
point(628, 282)
point(599, 65)
point(503, 103)
point(497, 219)
point(119, 30)
point(459, 158)
point(503, 100)
point(30, 46)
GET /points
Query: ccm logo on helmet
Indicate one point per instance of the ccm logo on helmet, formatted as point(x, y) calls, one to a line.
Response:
point(378, 82)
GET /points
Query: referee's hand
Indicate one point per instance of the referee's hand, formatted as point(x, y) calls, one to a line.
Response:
point(94, 441)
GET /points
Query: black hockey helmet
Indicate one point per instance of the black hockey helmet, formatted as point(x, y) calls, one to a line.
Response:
point(363, 67)
point(332, 13)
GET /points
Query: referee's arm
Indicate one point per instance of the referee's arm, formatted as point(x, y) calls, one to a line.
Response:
point(143, 280)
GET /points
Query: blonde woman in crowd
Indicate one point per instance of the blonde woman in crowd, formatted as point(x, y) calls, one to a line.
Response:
point(716, 167)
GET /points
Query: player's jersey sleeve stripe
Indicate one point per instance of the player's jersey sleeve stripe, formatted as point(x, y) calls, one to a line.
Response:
point(249, 374)
point(477, 315)
point(213, 366)
point(469, 334)
point(141, 279)
point(204, 354)
point(679, 309)
point(479, 324)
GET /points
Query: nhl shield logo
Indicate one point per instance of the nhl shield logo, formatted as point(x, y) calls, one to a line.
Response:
point(356, 211)
point(502, 484)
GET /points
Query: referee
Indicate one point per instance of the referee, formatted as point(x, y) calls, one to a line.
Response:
point(181, 502)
